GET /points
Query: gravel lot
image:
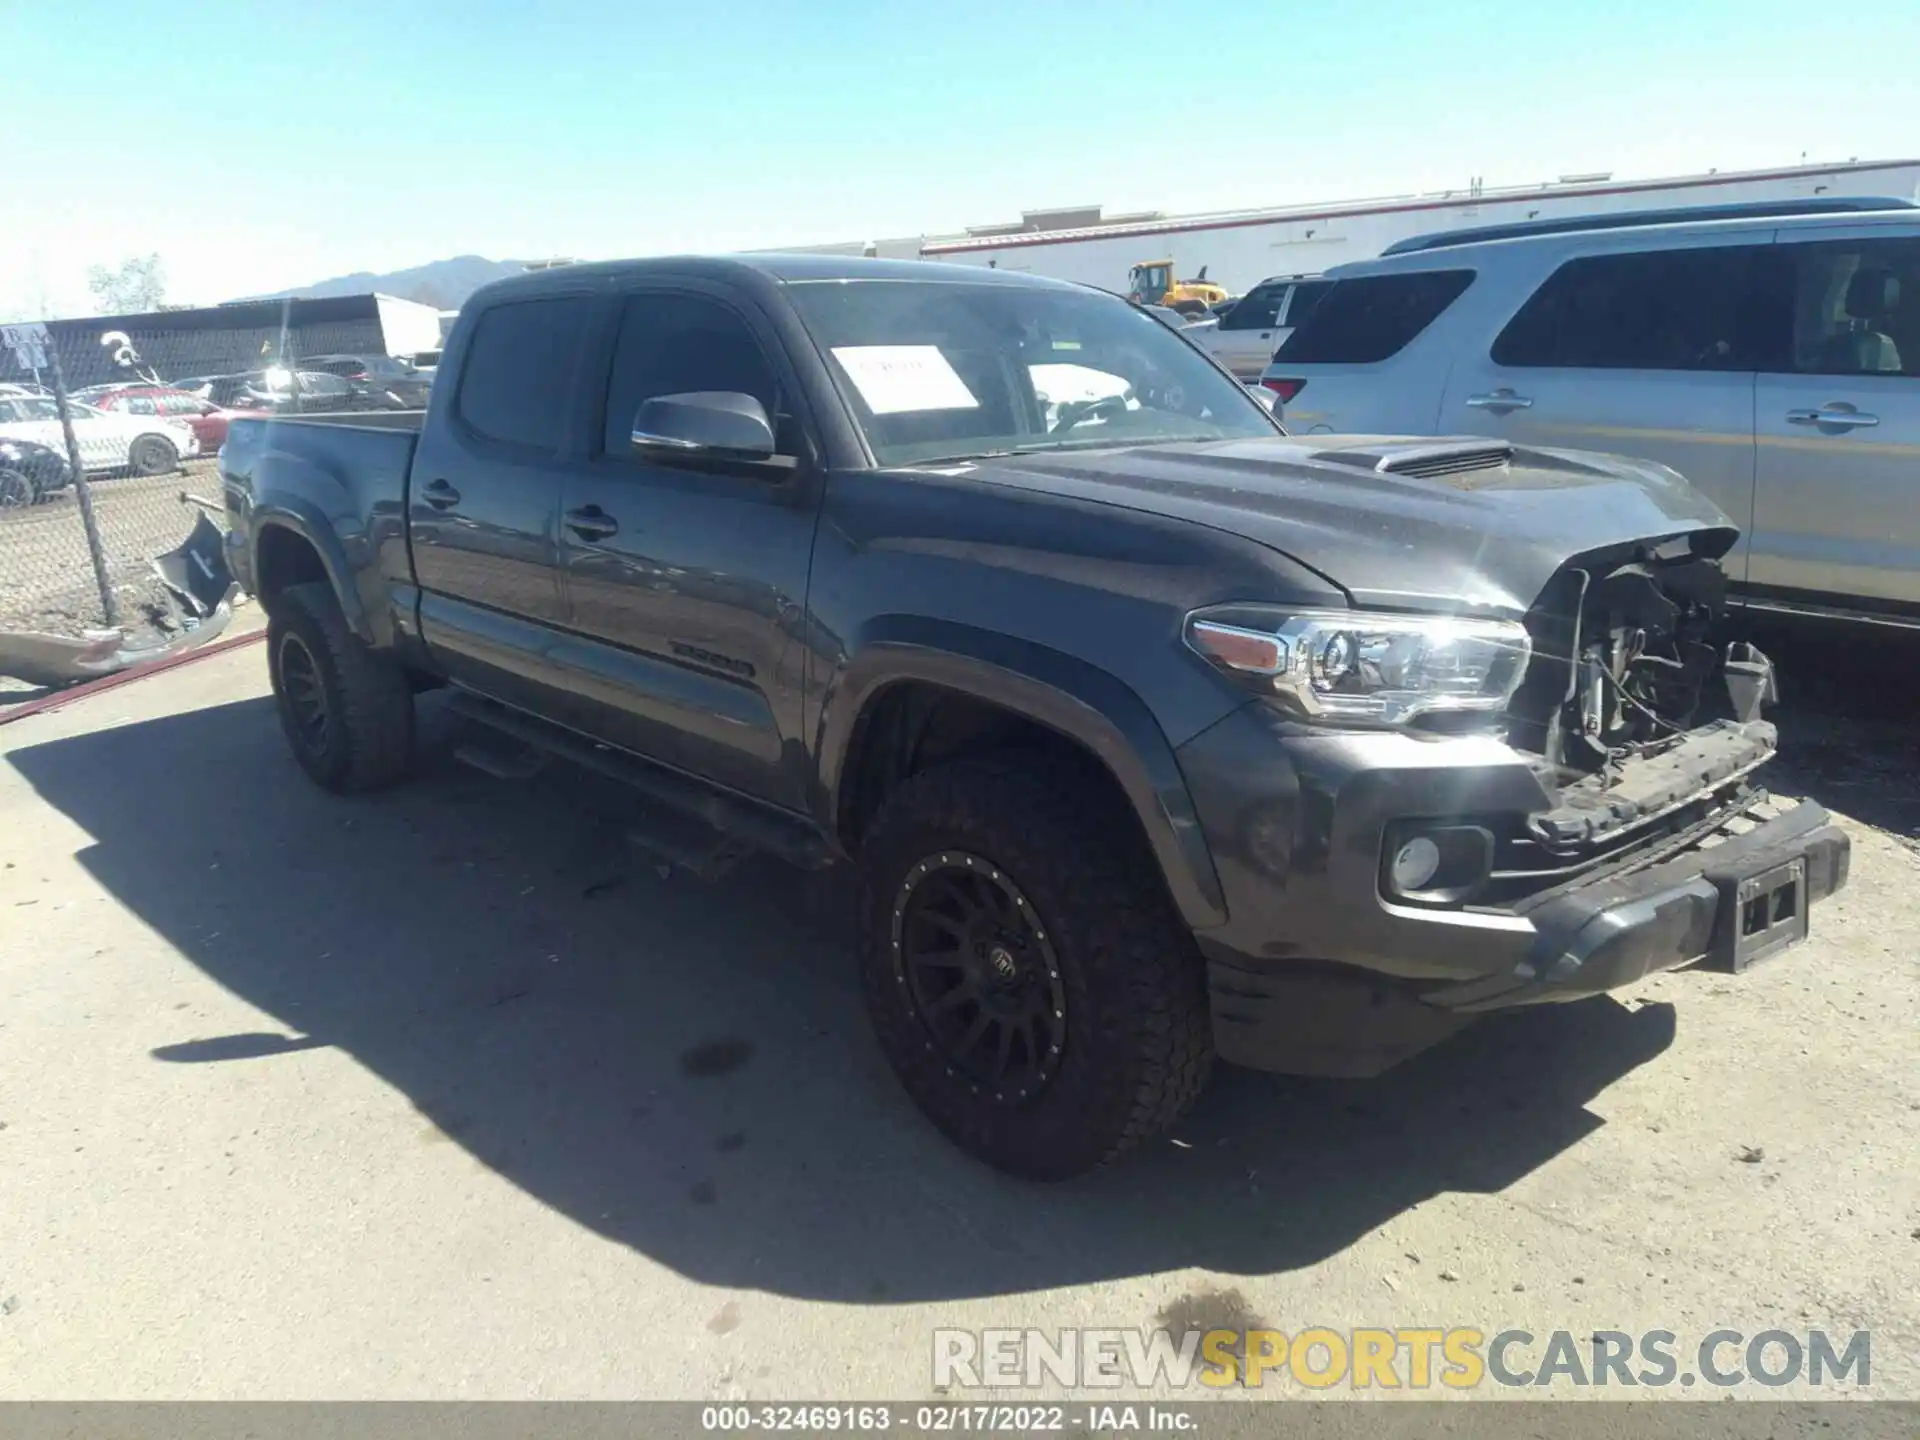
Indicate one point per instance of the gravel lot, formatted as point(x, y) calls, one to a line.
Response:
point(46, 575)
point(438, 1094)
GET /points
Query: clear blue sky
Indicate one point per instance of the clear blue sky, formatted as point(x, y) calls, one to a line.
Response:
point(264, 145)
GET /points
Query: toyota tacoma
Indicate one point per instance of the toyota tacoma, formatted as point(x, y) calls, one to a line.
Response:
point(1155, 735)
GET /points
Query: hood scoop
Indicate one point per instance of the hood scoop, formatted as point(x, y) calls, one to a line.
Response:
point(1427, 461)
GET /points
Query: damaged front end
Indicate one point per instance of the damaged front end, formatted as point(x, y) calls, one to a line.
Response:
point(1644, 725)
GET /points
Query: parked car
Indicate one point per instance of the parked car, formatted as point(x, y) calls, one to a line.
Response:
point(31, 472)
point(378, 378)
point(280, 391)
point(146, 445)
point(11, 388)
point(1773, 360)
point(1154, 734)
point(1244, 338)
point(207, 420)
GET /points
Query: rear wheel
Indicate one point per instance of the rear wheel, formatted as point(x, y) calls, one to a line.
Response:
point(346, 709)
point(16, 490)
point(1026, 975)
point(153, 455)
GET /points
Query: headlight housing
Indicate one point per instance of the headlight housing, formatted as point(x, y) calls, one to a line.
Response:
point(1365, 666)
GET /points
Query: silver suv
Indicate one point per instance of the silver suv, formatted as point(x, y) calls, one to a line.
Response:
point(1773, 361)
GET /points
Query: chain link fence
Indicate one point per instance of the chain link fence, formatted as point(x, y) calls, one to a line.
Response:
point(147, 404)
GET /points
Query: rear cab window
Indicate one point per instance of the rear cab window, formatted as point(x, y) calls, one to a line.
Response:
point(1370, 318)
point(518, 377)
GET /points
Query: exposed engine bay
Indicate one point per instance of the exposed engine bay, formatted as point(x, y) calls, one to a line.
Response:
point(1644, 721)
point(1630, 658)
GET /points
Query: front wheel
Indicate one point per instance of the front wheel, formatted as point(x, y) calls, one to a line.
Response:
point(153, 455)
point(1027, 977)
point(16, 490)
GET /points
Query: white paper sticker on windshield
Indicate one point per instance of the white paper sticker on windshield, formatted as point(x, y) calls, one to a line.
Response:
point(899, 379)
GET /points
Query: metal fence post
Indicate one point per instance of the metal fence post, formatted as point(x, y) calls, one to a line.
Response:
point(108, 606)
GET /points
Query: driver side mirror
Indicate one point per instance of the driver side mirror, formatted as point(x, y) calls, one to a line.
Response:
point(703, 424)
point(1262, 396)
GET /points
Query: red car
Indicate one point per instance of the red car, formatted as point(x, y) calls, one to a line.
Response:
point(208, 421)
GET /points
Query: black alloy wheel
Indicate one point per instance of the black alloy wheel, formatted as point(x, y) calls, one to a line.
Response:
point(981, 975)
point(305, 695)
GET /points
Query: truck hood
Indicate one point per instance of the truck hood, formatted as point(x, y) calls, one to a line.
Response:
point(1463, 524)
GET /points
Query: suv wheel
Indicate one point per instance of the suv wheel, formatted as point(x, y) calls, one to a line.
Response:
point(347, 710)
point(1027, 977)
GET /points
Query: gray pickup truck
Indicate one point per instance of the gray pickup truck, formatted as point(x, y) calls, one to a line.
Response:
point(1153, 733)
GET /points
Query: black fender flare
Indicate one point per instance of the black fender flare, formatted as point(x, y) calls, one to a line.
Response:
point(298, 514)
point(1063, 693)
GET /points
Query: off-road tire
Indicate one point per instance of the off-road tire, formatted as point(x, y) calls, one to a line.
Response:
point(1138, 1042)
point(367, 741)
point(153, 455)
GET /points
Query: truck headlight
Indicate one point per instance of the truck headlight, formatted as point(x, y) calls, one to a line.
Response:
point(1357, 665)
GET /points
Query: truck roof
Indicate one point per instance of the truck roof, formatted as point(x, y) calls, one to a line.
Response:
point(777, 267)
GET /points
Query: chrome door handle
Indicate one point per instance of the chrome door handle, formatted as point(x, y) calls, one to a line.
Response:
point(592, 523)
point(1836, 419)
point(441, 495)
point(1499, 401)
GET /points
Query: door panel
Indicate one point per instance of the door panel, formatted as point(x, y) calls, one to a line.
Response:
point(484, 499)
point(1699, 424)
point(1837, 493)
point(686, 586)
point(1650, 354)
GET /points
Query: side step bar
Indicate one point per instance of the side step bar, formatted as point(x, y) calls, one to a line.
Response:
point(705, 831)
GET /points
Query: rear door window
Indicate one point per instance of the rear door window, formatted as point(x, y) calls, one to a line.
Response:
point(1305, 299)
point(1692, 309)
point(519, 370)
point(1258, 310)
point(1372, 317)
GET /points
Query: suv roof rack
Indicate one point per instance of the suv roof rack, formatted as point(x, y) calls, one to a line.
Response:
point(1746, 210)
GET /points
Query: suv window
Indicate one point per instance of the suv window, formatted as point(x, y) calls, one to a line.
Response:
point(518, 369)
point(1259, 309)
point(1651, 310)
point(1372, 317)
point(1306, 299)
point(1856, 307)
point(670, 344)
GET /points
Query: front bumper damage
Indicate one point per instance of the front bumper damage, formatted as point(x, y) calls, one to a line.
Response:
point(1316, 971)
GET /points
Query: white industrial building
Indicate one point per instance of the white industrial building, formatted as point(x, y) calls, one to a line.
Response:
point(1242, 247)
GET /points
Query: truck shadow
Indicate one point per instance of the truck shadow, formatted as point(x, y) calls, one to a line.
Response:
point(686, 1069)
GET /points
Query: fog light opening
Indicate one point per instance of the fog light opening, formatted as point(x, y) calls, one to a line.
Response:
point(1414, 865)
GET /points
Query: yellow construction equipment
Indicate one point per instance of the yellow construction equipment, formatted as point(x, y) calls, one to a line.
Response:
point(1151, 282)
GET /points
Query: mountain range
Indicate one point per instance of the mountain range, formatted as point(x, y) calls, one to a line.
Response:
point(443, 284)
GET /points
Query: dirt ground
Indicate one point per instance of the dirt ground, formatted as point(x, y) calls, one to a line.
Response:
point(46, 575)
point(442, 1094)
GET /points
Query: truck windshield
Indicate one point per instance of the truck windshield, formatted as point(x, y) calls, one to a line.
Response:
point(937, 371)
